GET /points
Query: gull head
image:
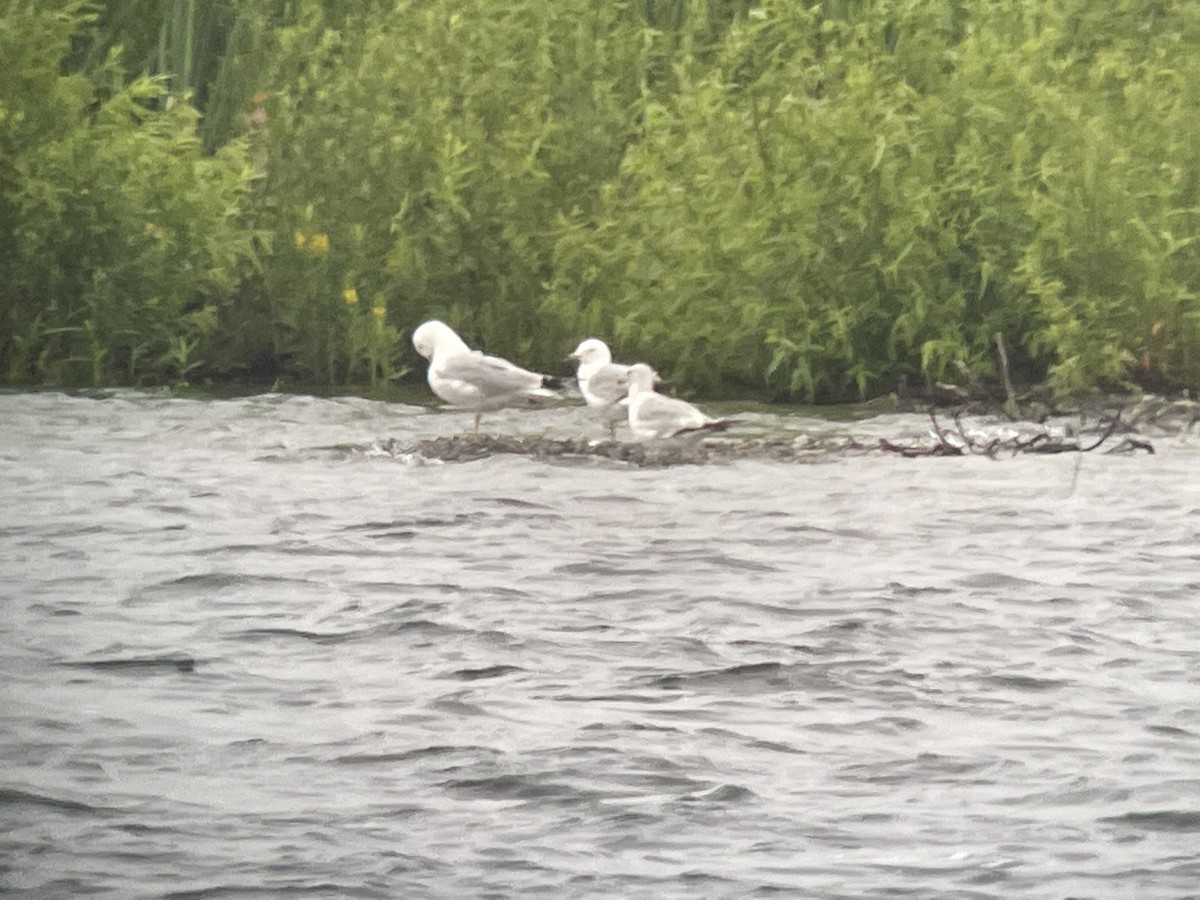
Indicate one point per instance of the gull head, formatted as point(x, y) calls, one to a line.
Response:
point(434, 335)
point(641, 378)
point(592, 352)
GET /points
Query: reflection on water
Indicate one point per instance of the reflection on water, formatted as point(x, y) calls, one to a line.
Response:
point(246, 650)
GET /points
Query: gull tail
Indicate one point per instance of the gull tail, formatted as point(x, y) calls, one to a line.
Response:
point(713, 427)
point(551, 387)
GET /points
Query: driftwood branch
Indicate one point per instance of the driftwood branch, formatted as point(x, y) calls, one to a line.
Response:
point(944, 446)
point(1112, 434)
point(1043, 441)
point(1108, 432)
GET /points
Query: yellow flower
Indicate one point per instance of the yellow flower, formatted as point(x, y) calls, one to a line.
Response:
point(318, 243)
point(299, 237)
point(379, 311)
point(350, 295)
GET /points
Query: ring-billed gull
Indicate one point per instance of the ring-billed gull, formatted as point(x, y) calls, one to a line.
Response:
point(468, 379)
point(603, 383)
point(653, 415)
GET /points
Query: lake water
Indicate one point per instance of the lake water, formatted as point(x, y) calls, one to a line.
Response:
point(248, 649)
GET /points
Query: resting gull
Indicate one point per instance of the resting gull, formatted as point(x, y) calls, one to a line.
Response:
point(603, 383)
point(467, 379)
point(653, 415)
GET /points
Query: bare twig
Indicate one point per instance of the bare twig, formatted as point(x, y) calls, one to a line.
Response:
point(1040, 442)
point(1130, 444)
point(1108, 432)
point(962, 433)
point(945, 448)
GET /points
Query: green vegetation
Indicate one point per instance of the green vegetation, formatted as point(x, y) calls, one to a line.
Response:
point(784, 200)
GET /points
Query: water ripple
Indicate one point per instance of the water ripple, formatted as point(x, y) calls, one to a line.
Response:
point(249, 648)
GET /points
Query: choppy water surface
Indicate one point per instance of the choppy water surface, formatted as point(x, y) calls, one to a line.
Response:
point(245, 652)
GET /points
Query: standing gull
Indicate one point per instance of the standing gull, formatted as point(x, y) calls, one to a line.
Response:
point(653, 415)
point(466, 378)
point(603, 383)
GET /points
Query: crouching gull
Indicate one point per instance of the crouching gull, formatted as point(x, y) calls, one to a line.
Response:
point(655, 416)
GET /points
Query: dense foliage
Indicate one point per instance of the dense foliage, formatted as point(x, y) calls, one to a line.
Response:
point(788, 199)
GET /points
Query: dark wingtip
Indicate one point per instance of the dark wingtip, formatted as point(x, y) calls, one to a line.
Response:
point(717, 426)
point(554, 382)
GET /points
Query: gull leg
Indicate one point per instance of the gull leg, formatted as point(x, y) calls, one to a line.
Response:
point(477, 415)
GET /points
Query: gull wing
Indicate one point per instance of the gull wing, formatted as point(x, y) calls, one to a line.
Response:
point(668, 416)
point(610, 383)
point(472, 379)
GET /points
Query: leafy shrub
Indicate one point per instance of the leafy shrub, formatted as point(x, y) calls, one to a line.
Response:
point(844, 198)
point(782, 199)
point(121, 241)
point(434, 146)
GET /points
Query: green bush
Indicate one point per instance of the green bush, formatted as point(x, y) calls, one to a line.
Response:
point(788, 199)
point(777, 227)
point(1112, 263)
point(843, 199)
point(121, 240)
point(431, 151)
